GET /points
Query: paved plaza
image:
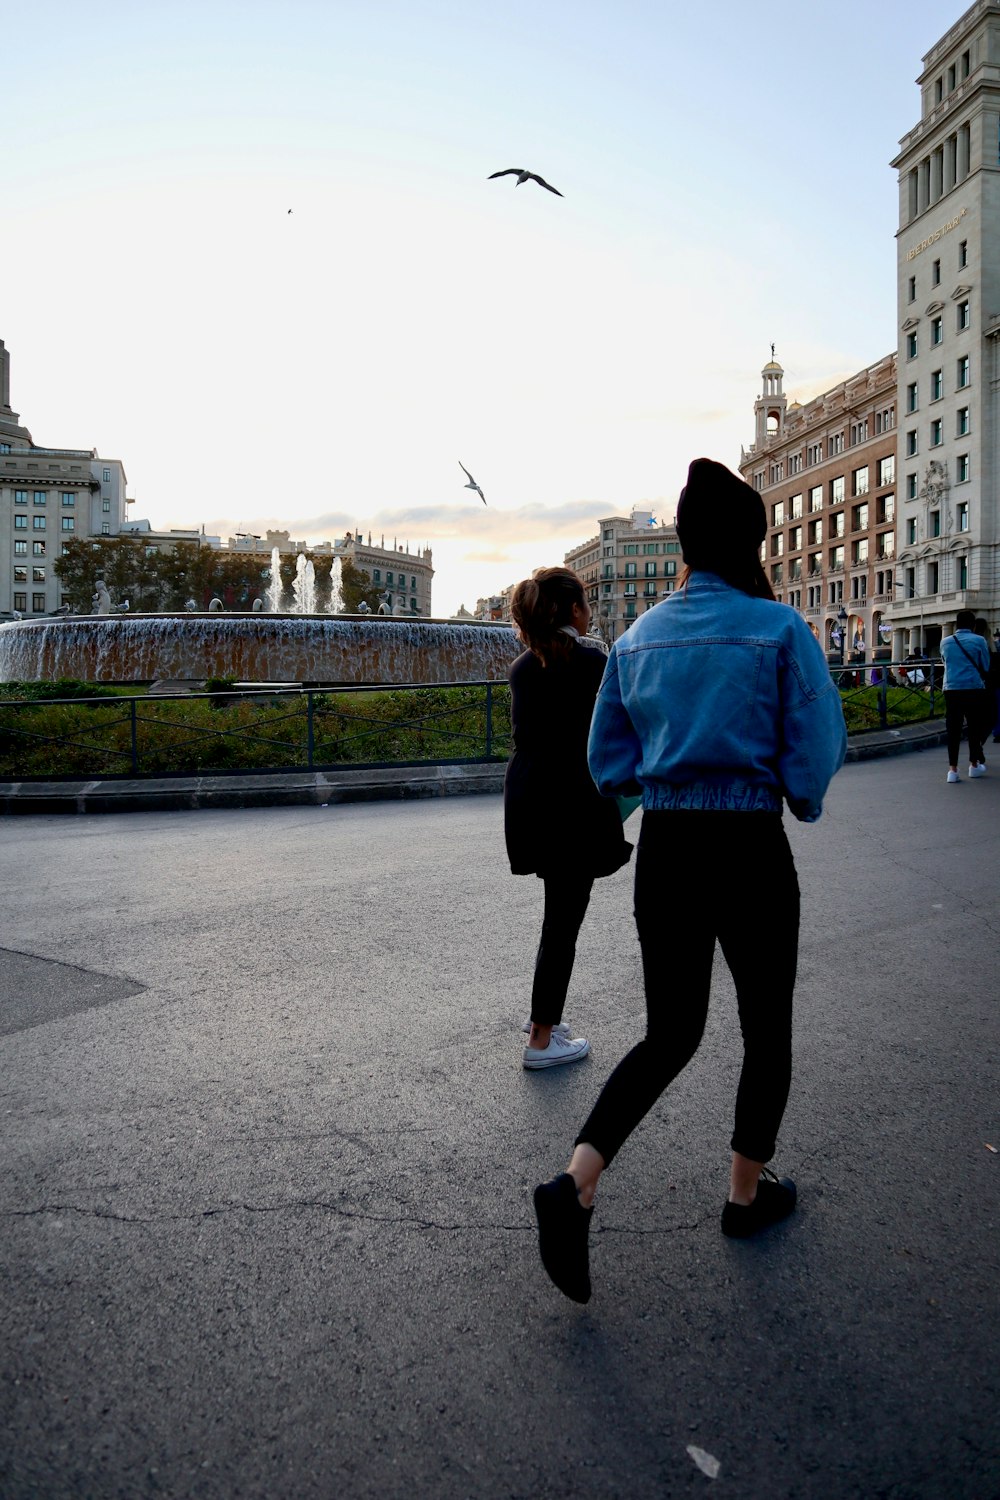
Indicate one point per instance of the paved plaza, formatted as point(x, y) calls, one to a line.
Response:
point(267, 1151)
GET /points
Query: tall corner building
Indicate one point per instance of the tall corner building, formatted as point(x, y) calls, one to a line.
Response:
point(948, 371)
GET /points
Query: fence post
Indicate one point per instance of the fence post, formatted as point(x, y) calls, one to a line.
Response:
point(883, 704)
point(135, 747)
point(489, 721)
point(310, 737)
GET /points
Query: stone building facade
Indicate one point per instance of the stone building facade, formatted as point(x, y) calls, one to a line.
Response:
point(47, 495)
point(630, 565)
point(826, 472)
point(948, 298)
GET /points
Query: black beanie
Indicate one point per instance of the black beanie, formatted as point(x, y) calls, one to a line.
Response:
point(719, 518)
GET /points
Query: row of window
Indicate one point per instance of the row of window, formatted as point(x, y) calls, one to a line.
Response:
point(649, 549)
point(933, 578)
point(68, 499)
point(791, 510)
point(937, 334)
point(21, 575)
point(937, 388)
point(377, 578)
point(37, 603)
point(814, 531)
point(649, 568)
point(68, 523)
point(834, 447)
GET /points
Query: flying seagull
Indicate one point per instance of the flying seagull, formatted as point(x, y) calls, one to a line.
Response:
point(522, 175)
point(472, 485)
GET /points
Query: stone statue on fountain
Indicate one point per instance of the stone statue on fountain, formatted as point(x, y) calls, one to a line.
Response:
point(101, 602)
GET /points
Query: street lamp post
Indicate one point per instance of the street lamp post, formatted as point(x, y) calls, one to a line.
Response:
point(842, 618)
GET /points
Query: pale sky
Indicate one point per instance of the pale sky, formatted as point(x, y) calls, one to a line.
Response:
point(327, 369)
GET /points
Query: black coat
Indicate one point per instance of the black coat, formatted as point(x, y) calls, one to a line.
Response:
point(555, 819)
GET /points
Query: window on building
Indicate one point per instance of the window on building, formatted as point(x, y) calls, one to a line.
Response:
point(859, 432)
point(794, 463)
point(911, 396)
point(934, 523)
point(815, 532)
point(911, 346)
point(671, 546)
point(777, 544)
point(630, 610)
point(836, 559)
point(964, 315)
point(932, 577)
point(778, 514)
point(4, 447)
point(670, 570)
point(795, 539)
point(887, 470)
point(20, 497)
point(963, 573)
point(631, 549)
point(20, 549)
point(937, 330)
point(795, 507)
point(911, 486)
point(106, 506)
point(885, 420)
point(962, 468)
point(837, 490)
point(814, 453)
point(413, 605)
point(777, 573)
point(911, 531)
point(107, 476)
point(38, 549)
point(963, 254)
point(962, 515)
point(859, 480)
point(815, 564)
point(911, 289)
point(962, 421)
point(69, 523)
point(20, 523)
point(105, 527)
point(21, 601)
point(649, 589)
point(937, 432)
point(20, 575)
point(938, 90)
point(910, 583)
point(836, 444)
point(962, 372)
point(859, 518)
point(886, 509)
point(650, 569)
point(911, 442)
point(631, 569)
point(38, 575)
point(935, 273)
point(38, 604)
point(965, 74)
point(937, 384)
point(40, 497)
point(38, 523)
point(376, 575)
point(816, 497)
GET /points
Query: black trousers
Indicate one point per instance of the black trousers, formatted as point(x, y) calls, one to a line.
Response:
point(702, 876)
point(567, 897)
point(963, 705)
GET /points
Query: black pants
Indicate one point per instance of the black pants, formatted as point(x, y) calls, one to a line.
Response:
point(961, 705)
point(701, 876)
point(566, 900)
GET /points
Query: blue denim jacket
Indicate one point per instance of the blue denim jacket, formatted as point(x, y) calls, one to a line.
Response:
point(714, 700)
point(959, 671)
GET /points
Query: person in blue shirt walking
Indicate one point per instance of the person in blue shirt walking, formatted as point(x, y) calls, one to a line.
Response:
point(966, 666)
point(718, 707)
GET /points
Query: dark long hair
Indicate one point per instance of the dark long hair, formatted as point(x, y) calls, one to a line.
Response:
point(541, 605)
point(745, 573)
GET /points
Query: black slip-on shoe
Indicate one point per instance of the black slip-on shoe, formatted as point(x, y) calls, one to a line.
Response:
point(774, 1201)
point(563, 1227)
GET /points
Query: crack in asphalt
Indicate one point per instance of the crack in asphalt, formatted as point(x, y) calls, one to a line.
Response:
point(327, 1207)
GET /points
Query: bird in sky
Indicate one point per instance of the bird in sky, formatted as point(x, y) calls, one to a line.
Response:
point(472, 485)
point(523, 175)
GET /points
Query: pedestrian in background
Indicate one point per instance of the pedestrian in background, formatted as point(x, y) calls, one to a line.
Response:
point(557, 824)
point(718, 706)
point(991, 711)
point(966, 663)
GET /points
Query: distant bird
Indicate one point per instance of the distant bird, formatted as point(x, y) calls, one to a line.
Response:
point(523, 175)
point(289, 210)
point(17, 614)
point(472, 485)
point(120, 609)
point(64, 609)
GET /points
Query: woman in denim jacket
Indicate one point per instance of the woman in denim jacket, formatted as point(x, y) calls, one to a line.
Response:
point(718, 707)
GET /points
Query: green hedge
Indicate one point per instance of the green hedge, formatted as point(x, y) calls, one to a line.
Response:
point(227, 732)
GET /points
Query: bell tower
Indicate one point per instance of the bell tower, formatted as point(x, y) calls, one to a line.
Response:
point(769, 408)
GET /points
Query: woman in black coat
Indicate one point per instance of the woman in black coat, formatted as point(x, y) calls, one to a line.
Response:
point(557, 824)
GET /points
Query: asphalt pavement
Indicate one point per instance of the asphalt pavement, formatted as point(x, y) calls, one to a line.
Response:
point(267, 1151)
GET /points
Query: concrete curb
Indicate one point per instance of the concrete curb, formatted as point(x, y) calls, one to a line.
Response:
point(319, 788)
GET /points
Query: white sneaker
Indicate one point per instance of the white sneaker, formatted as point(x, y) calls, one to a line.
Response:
point(976, 771)
point(561, 1049)
point(954, 776)
point(562, 1027)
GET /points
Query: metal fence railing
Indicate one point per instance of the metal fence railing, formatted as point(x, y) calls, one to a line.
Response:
point(253, 730)
point(882, 694)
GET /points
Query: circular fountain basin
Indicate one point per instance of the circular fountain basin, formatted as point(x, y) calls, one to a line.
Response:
point(330, 649)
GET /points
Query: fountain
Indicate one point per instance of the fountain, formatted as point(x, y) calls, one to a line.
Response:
point(254, 647)
point(304, 585)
